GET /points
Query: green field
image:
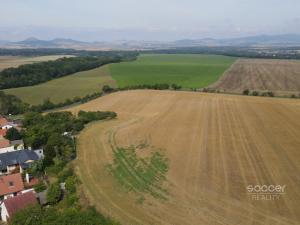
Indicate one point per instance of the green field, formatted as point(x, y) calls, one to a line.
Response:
point(142, 175)
point(58, 90)
point(189, 71)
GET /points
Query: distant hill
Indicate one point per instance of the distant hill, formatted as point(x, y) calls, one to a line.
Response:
point(278, 40)
point(261, 40)
point(33, 42)
point(252, 41)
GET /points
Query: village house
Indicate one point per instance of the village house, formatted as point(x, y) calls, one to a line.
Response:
point(5, 124)
point(11, 185)
point(5, 146)
point(3, 133)
point(18, 144)
point(9, 146)
point(19, 161)
point(11, 206)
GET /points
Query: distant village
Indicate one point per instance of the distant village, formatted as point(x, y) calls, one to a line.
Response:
point(16, 183)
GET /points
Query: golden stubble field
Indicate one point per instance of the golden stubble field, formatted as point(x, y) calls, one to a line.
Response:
point(217, 145)
point(15, 61)
point(279, 76)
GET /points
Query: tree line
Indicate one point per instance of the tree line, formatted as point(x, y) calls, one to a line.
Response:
point(10, 104)
point(36, 73)
point(158, 86)
point(61, 51)
point(245, 52)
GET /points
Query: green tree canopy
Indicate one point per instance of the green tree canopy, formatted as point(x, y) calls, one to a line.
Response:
point(13, 134)
point(54, 193)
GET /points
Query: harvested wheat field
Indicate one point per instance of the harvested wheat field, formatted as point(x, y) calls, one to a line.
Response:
point(187, 158)
point(15, 61)
point(261, 74)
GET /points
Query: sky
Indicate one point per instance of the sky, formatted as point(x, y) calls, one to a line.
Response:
point(97, 20)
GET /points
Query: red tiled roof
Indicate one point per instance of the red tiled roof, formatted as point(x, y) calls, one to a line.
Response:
point(3, 132)
point(19, 202)
point(3, 121)
point(4, 143)
point(11, 183)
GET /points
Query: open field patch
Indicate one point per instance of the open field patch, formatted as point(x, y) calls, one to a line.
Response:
point(58, 90)
point(189, 71)
point(142, 175)
point(216, 145)
point(15, 61)
point(280, 76)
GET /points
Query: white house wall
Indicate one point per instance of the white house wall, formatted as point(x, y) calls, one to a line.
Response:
point(7, 149)
point(4, 213)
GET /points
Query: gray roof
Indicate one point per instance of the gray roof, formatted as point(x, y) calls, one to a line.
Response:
point(17, 142)
point(17, 157)
point(42, 196)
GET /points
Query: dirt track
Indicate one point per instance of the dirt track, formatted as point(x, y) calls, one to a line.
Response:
point(216, 144)
point(261, 74)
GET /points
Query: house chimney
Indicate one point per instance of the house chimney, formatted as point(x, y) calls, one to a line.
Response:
point(27, 178)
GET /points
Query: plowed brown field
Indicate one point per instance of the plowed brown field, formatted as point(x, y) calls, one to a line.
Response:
point(261, 74)
point(217, 145)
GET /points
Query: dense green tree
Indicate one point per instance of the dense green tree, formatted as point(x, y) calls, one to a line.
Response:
point(53, 216)
point(54, 193)
point(47, 131)
point(31, 215)
point(176, 86)
point(10, 104)
point(107, 89)
point(71, 184)
point(246, 92)
point(13, 134)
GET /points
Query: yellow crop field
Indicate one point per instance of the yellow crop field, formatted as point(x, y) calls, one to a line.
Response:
point(279, 76)
point(216, 146)
point(15, 61)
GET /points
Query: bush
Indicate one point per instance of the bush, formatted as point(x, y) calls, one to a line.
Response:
point(10, 104)
point(54, 193)
point(39, 187)
point(65, 173)
point(13, 134)
point(87, 117)
point(36, 168)
point(53, 215)
point(71, 184)
point(246, 92)
point(268, 94)
point(107, 89)
point(55, 167)
point(175, 86)
point(31, 215)
point(255, 93)
point(293, 96)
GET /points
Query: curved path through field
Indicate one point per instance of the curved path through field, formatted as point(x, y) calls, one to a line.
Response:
point(217, 145)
